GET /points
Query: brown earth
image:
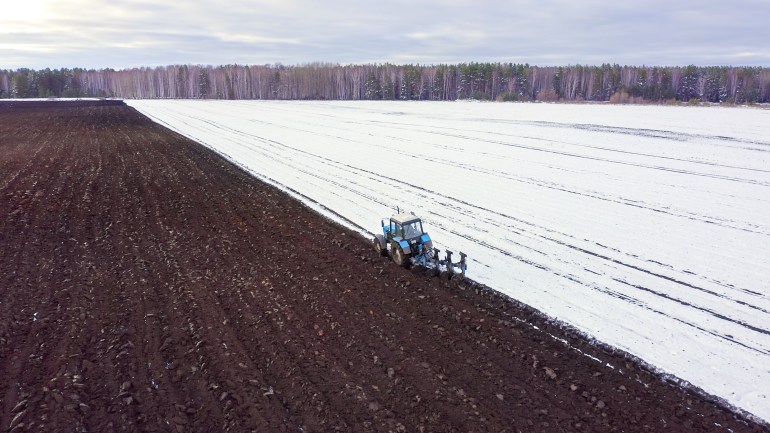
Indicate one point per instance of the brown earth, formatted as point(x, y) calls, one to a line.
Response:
point(147, 284)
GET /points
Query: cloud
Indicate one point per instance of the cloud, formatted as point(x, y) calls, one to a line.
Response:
point(125, 33)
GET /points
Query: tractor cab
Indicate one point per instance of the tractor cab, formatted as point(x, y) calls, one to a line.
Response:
point(404, 226)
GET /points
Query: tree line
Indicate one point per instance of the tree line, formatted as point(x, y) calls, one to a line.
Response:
point(320, 81)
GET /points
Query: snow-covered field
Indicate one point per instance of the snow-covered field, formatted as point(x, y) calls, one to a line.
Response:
point(646, 227)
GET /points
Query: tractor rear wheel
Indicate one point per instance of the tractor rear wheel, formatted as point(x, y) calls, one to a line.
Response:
point(379, 246)
point(399, 257)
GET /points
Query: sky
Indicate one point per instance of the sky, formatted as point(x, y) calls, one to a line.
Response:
point(133, 33)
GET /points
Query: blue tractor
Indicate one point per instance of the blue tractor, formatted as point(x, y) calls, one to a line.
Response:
point(405, 240)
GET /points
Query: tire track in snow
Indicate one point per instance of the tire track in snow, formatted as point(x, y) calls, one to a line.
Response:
point(622, 201)
point(407, 126)
point(607, 160)
point(653, 133)
point(705, 310)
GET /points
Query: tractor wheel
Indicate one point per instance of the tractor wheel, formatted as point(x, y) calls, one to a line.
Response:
point(399, 257)
point(378, 246)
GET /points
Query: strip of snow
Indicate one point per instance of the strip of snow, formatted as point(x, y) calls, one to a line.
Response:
point(646, 227)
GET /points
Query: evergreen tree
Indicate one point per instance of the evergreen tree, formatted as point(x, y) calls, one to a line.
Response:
point(688, 83)
point(747, 88)
point(372, 90)
point(275, 84)
point(613, 80)
point(522, 83)
point(20, 85)
point(437, 86)
point(558, 82)
point(388, 90)
point(597, 93)
point(640, 86)
point(409, 83)
point(204, 87)
point(715, 88)
point(181, 82)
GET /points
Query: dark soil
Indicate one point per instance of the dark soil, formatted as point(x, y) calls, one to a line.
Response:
point(147, 284)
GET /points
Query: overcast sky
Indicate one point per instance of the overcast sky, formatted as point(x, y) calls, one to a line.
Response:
point(129, 33)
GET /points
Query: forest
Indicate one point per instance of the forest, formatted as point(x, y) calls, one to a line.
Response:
point(321, 81)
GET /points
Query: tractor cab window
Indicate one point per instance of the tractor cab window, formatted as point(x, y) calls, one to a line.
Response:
point(406, 231)
point(412, 230)
point(395, 229)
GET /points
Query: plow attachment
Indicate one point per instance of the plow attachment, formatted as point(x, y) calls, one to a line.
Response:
point(431, 260)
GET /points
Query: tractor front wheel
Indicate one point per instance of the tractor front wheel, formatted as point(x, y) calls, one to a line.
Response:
point(379, 245)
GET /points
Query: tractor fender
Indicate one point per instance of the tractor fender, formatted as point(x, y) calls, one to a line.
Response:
point(427, 243)
point(405, 247)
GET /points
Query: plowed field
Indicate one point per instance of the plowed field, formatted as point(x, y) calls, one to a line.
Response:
point(147, 284)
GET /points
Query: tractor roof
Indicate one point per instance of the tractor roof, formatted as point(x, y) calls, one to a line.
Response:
point(404, 218)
